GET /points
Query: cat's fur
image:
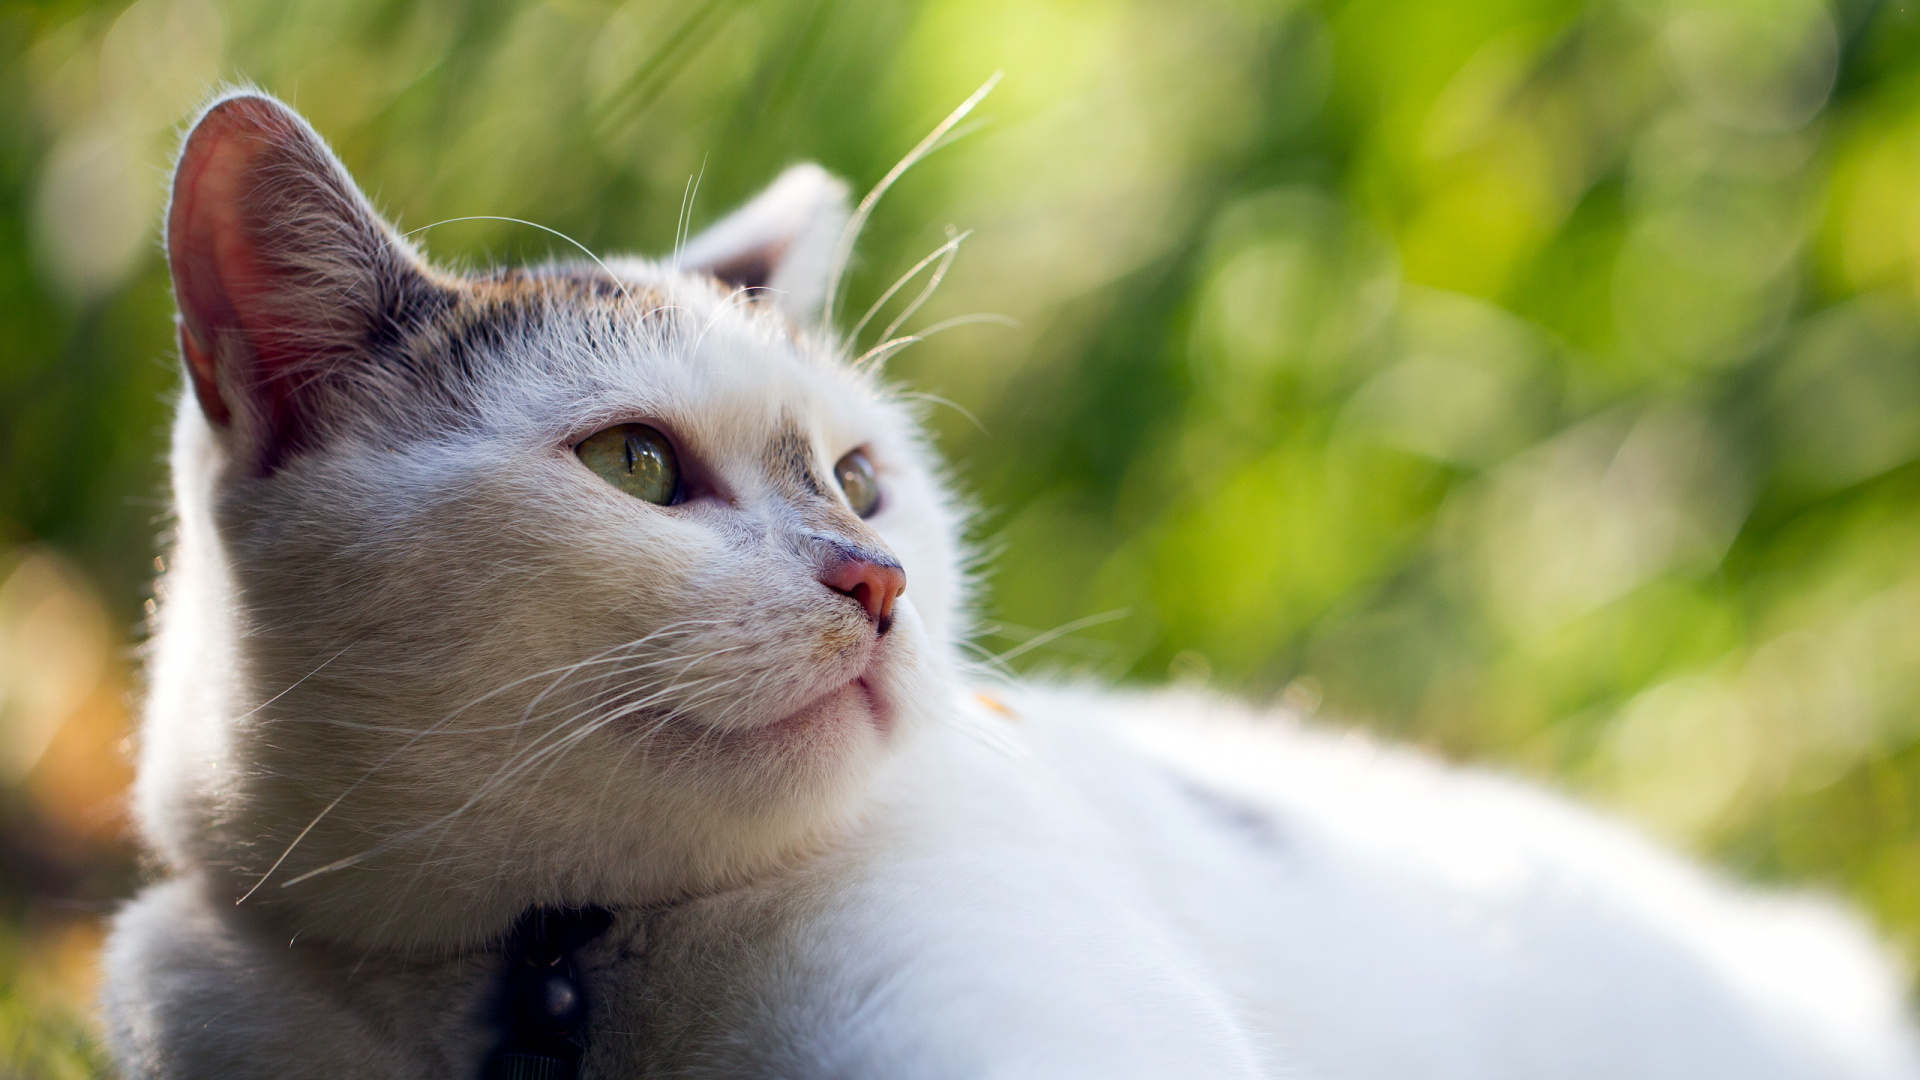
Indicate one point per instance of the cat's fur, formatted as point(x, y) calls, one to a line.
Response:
point(417, 670)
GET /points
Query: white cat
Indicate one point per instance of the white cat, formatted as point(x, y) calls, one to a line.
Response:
point(616, 587)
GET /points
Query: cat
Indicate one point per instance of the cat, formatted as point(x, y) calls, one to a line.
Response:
point(614, 591)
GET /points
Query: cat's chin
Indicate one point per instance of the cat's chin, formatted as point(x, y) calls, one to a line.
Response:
point(855, 703)
point(857, 710)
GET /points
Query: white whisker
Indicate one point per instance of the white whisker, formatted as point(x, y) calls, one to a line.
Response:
point(921, 395)
point(849, 236)
point(880, 353)
point(527, 759)
point(949, 248)
point(410, 743)
point(1058, 632)
point(625, 292)
point(684, 228)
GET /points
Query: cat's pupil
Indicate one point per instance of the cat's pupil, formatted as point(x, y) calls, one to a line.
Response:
point(636, 459)
point(857, 479)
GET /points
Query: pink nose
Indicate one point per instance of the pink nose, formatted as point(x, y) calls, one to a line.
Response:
point(872, 585)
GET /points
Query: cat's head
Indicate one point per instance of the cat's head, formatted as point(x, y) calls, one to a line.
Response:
point(587, 583)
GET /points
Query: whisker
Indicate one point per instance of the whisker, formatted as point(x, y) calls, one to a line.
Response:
point(740, 295)
point(1037, 640)
point(880, 353)
point(951, 246)
point(933, 284)
point(291, 687)
point(921, 395)
point(625, 292)
point(684, 227)
point(410, 743)
point(527, 760)
point(382, 729)
point(958, 133)
point(843, 251)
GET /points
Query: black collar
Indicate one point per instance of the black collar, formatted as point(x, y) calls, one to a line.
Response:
point(541, 1008)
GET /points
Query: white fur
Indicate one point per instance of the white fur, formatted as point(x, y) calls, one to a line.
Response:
point(1130, 886)
point(379, 730)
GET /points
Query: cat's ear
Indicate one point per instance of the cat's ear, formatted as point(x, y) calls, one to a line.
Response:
point(781, 242)
point(287, 280)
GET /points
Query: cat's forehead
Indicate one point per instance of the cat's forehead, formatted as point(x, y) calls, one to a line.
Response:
point(651, 342)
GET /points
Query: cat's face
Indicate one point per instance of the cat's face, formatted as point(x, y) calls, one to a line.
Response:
point(581, 585)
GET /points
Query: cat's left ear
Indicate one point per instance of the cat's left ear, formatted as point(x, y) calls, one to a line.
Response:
point(289, 284)
point(781, 242)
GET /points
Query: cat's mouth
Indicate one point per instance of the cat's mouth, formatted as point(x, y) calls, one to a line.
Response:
point(854, 702)
point(858, 700)
point(844, 702)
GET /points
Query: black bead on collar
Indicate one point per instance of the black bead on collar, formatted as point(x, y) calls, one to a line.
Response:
point(541, 1009)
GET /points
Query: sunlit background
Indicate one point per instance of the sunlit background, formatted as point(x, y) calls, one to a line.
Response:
point(1535, 380)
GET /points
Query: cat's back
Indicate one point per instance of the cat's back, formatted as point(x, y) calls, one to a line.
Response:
point(1383, 914)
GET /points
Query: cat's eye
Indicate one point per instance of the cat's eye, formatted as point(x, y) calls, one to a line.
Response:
point(855, 473)
point(634, 458)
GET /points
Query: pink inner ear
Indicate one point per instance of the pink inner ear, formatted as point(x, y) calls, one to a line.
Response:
point(220, 279)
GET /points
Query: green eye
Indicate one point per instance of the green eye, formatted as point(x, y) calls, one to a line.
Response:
point(634, 458)
point(855, 473)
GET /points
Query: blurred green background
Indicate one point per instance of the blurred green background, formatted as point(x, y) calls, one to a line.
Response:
point(1536, 380)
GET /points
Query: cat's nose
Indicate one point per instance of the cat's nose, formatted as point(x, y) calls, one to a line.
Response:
point(873, 583)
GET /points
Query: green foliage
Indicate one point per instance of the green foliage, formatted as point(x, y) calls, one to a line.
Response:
point(42, 1039)
point(38, 1044)
point(1535, 379)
